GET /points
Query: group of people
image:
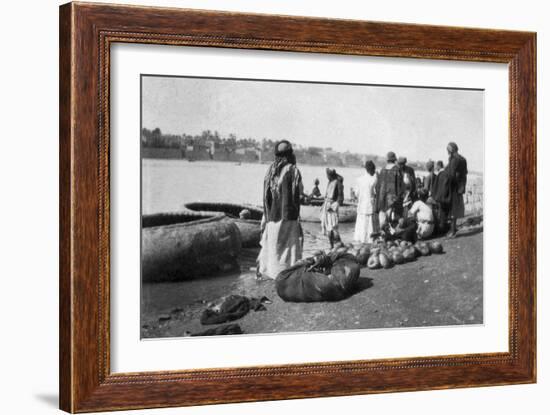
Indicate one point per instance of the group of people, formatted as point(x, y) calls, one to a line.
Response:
point(392, 203)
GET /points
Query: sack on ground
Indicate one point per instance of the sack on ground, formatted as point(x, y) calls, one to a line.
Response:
point(302, 283)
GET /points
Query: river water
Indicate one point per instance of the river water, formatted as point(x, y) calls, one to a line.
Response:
point(168, 184)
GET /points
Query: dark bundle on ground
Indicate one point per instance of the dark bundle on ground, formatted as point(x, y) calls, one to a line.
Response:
point(304, 282)
point(231, 308)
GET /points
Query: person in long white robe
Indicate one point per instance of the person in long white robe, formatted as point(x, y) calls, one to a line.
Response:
point(334, 198)
point(365, 224)
point(282, 236)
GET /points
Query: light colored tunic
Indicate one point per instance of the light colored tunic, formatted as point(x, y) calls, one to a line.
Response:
point(329, 210)
point(281, 247)
point(366, 199)
point(424, 218)
point(329, 216)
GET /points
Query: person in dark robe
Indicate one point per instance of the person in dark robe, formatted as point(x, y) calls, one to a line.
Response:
point(429, 178)
point(334, 198)
point(282, 237)
point(440, 198)
point(457, 170)
point(389, 188)
point(409, 184)
point(419, 184)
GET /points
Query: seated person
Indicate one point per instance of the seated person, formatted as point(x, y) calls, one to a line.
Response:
point(398, 227)
point(315, 192)
point(423, 214)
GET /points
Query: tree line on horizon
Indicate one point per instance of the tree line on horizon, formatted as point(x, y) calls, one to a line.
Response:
point(155, 138)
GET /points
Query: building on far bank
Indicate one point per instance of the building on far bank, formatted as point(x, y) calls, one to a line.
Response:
point(198, 152)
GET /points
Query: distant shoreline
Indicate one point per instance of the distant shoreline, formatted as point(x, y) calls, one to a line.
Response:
point(265, 163)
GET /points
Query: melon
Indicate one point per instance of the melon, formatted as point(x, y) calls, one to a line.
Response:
point(362, 258)
point(436, 247)
point(409, 254)
point(385, 260)
point(373, 262)
point(398, 257)
point(425, 250)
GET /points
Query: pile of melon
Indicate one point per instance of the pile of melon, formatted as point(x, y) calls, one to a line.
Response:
point(386, 254)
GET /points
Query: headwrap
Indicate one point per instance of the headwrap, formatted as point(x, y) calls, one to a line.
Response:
point(331, 173)
point(390, 157)
point(283, 148)
point(452, 147)
point(284, 155)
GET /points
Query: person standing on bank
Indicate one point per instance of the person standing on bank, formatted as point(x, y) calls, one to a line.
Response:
point(388, 188)
point(440, 198)
point(457, 170)
point(282, 237)
point(334, 198)
point(429, 178)
point(366, 199)
point(409, 184)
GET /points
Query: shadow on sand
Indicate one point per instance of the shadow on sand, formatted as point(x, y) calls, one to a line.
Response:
point(362, 284)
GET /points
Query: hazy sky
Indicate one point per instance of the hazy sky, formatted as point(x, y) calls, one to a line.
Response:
point(414, 122)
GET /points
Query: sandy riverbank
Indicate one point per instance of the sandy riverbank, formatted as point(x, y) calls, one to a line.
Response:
point(438, 290)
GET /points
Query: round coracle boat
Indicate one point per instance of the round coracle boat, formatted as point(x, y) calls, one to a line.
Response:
point(311, 211)
point(184, 245)
point(246, 217)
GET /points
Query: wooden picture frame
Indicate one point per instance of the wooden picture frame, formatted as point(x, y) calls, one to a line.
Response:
point(86, 33)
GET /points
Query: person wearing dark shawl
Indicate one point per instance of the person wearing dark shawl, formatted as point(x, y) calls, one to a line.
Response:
point(457, 170)
point(429, 178)
point(440, 198)
point(389, 188)
point(409, 184)
point(282, 238)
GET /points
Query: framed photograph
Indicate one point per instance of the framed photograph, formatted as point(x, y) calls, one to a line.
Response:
point(258, 207)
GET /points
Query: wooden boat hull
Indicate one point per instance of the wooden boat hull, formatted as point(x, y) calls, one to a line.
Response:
point(183, 245)
point(250, 229)
point(312, 213)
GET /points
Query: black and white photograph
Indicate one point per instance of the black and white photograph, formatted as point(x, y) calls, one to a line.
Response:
point(281, 206)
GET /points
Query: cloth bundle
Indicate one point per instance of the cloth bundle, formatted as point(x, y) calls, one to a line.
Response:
point(231, 308)
point(326, 278)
